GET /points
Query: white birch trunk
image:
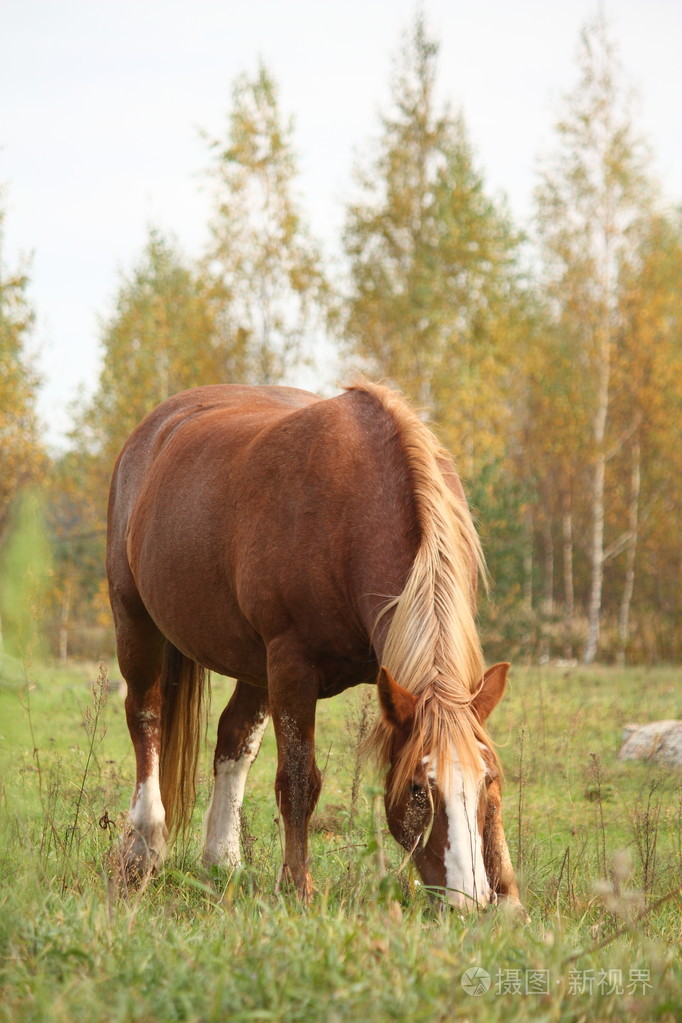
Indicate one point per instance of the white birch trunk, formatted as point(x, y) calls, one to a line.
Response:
point(548, 589)
point(548, 597)
point(598, 481)
point(528, 563)
point(633, 524)
point(569, 593)
point(65, 614)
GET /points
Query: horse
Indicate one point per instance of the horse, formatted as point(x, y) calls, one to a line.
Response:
point(302, 545)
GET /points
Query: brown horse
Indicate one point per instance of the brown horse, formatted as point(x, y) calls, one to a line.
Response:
point(301, 546)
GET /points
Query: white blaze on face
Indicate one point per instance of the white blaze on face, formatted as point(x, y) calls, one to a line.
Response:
point(147, 814)
point(465, 875)
point(222, 822)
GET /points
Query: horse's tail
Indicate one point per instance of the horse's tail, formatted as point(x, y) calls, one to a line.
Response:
point(182, 692)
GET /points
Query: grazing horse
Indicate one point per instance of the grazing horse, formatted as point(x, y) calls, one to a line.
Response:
point(303, 545)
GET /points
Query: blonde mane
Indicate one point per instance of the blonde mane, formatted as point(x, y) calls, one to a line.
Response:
point(432, 647)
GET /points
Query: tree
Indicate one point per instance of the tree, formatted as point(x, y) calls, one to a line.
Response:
point(21, 453)
point(24, 575)
point(648, 416)
point(434, 299)
point(162, 337)
point(76, 492)
point(549, 460)
point(590, 203)
point(261, 251)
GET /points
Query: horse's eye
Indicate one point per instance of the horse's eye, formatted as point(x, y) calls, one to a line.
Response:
point(416, 790)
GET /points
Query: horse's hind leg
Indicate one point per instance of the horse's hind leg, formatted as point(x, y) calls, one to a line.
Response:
point(140, 653)
point(240, 731)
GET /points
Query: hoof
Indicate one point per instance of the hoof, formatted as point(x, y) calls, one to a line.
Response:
point(139, 861)
point(218, 858)
point(514, 909)
point(303, 886)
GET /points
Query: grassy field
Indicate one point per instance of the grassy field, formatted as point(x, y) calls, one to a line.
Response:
point(597, 842)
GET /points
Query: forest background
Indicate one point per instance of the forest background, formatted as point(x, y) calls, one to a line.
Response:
point(547, 354)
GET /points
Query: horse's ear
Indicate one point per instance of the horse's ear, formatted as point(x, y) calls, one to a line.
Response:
point(397, 704)
point(491, 690)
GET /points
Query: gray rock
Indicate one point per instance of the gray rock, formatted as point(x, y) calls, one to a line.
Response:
point(660, 741)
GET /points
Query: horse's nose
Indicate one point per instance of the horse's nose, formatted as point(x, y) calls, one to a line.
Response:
point(468, 903)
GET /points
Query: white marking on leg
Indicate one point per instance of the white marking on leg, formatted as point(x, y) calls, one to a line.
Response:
point(147, 814)
point(222, 822)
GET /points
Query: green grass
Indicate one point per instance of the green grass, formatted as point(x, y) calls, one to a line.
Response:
point(200, 946)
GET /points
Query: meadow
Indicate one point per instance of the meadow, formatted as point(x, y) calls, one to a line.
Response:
point(597, 844)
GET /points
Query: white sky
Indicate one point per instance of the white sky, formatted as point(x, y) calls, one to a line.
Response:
point(101, 106)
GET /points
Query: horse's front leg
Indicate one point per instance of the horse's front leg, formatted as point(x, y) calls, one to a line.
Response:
point(293, 688)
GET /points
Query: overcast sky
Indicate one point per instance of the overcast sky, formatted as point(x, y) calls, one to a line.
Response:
point(102, 106)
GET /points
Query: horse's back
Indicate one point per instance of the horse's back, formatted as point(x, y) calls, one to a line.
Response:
point(230, 401)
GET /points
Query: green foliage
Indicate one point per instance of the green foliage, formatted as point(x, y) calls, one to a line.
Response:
point(162, 337)
point(21, 454)
point(24, 575)
point(262, 253)
point(594, 188)
point(435, 301)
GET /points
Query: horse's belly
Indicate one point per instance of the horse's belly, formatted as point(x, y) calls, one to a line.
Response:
point(194, 607)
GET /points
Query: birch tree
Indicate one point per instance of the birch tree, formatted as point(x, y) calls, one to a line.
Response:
point(648, 416)
point(593, 194)
point(434, 278)
point(262, 251)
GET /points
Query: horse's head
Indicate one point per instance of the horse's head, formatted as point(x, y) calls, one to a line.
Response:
point(449, 814)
